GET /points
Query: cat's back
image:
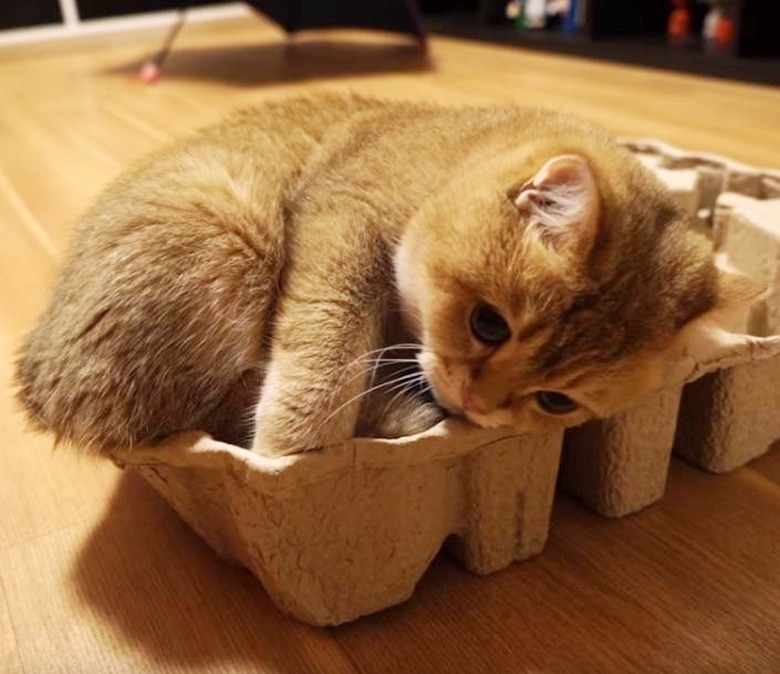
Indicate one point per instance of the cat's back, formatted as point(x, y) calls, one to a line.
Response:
point(287, 117)
point(393, 154)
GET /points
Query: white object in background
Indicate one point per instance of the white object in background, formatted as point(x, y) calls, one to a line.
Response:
point(513, 9)
point(711, 21)
point(535, 13)
point(70, 12)
point(74, 26)
point(557, 7)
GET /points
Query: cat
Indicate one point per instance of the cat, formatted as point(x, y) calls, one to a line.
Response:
point(543, 277)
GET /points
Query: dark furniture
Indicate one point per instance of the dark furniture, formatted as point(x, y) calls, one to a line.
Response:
point(630, 32)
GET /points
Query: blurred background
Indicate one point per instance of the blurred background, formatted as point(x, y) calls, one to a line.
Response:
point(729, 38)
point(97, 574)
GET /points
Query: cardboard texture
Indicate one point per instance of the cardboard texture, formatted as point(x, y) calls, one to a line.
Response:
point(728, 417)
point(619, 465)
point(350, 529)
point(731, 416)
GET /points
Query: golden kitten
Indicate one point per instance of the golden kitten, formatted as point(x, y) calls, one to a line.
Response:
point(545, 274)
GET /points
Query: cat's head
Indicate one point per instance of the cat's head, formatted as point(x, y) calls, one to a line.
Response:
point(553, 286)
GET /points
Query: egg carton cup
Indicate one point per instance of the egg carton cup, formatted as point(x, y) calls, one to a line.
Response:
point(348, 530)
point(698, 179)
point(732, 416)
point(728, 417)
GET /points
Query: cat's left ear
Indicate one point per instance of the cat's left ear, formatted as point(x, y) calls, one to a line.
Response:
point(561, 204)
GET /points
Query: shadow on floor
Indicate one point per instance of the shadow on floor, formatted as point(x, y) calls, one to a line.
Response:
point(294, 61)
point(158, 586)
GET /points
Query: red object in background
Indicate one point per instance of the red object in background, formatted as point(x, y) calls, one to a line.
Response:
point(679, 24)
point(724, 31)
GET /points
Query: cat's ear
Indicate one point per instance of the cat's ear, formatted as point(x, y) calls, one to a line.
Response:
point(561, 204)
point(708, 343)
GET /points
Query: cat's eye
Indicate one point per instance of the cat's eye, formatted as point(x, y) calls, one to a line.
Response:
point(553, 402)
point(488, 326)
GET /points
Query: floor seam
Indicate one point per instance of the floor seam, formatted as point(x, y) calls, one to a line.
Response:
point(17, 652)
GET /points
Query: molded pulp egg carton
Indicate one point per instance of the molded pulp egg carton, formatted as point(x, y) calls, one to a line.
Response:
point(350, 529)
point(730, 416)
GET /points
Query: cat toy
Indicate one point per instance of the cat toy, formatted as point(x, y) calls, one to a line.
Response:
point(150, 70)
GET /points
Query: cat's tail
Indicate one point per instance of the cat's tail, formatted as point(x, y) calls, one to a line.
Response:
point(40, 384)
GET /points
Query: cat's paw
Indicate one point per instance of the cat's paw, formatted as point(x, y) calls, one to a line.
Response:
point(422, 417)
point(274, 437)
point(401, 418)
point(282, 429)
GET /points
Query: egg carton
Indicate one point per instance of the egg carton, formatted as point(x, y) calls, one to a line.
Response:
point(698, 179)
point(725, 419)
point(732, 416)
point(348, 530)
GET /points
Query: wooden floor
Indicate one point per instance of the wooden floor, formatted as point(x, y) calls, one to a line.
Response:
point(98, 575)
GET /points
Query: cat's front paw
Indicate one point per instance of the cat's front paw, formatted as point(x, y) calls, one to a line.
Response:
point(401, 418)
point(279, 435)
point(424, 416)
point(282, 428)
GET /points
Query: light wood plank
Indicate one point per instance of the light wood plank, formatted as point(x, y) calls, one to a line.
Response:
point(9, 655)
point(132, 589)
point(39, 491)
point(96, 572)
point(672, 589)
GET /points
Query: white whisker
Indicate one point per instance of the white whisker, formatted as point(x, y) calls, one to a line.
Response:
point(390, 347)
point(405, 387)
point(392, 382)
point(374, 368)
point(376, 361)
